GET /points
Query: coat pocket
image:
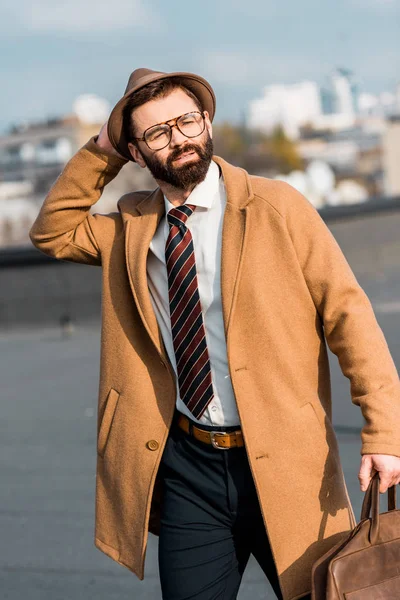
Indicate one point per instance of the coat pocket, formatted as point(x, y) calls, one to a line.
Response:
point(106, 422)
point(326, 432)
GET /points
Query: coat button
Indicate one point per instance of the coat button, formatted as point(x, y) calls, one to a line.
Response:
point(152, 444)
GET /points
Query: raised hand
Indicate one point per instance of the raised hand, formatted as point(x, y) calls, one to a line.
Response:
point(104, 142)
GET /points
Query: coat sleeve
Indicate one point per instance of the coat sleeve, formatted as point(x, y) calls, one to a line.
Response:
point(64, 228)
point(350, 326)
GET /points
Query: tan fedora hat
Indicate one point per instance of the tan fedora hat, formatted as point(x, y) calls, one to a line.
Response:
point(140, 78)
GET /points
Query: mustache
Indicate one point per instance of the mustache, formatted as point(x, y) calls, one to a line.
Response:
point(178, 152)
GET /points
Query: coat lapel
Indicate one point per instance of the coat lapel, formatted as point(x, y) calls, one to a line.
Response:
point(139, 231)
point(238, 195)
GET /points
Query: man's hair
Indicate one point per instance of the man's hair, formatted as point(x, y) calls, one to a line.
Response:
point(152, 91)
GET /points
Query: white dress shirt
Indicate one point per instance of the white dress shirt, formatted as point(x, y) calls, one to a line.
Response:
point(205, 225)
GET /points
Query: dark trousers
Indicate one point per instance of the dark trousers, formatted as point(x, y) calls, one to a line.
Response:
point(210, 521)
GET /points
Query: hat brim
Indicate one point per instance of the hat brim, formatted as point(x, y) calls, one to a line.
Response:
point(196, 84)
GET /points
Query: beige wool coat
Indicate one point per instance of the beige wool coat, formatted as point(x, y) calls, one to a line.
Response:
point(287, 292)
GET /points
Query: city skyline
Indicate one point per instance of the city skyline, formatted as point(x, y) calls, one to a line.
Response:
point(56, 53)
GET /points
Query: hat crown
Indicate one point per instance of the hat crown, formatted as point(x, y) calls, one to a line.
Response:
point(139, 74)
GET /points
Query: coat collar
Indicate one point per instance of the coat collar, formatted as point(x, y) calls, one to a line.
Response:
point(238, 191)
point(141, 219)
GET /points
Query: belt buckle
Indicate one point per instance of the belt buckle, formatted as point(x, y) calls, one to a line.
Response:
point(214, 442)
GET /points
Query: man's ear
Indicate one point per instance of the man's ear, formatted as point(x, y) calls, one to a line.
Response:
point(136, 155)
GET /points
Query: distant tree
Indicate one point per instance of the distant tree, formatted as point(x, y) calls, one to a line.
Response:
point(229, 141)
point(285, 150)
point(256, 151)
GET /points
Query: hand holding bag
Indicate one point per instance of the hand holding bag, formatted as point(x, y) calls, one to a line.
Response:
point(366, 564)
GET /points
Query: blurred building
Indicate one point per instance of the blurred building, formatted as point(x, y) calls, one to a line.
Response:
point(32, 155)
point(37, 152)
point(288, 106)
point(352, 153)
point(354, 134)
point(385, 104)
point(345, 92)
point(391, 156)
point(333, 106)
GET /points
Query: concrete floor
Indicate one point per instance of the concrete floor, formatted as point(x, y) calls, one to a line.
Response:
point(47, 469)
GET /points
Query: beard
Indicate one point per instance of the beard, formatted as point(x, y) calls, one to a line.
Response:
point(188, 174)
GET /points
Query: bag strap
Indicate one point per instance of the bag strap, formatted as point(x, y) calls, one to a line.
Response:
point(371, 501)
point(392, 498)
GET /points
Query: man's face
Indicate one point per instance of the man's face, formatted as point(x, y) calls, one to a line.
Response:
point(184, 162)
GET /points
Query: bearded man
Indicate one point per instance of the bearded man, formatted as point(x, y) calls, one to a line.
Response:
point(221, 292)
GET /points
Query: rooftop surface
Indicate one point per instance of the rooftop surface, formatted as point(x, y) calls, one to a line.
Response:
point(47, 468)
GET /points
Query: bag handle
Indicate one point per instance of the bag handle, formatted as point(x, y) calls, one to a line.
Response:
point(371, 500)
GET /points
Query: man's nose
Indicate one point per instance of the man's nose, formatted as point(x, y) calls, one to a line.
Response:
point(177, 138)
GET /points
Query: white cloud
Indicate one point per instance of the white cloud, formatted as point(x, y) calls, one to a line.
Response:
point(85, 16)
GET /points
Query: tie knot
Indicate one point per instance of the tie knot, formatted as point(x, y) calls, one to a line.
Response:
point(180, 214)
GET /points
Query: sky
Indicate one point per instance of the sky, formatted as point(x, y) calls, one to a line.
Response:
point(51, 53)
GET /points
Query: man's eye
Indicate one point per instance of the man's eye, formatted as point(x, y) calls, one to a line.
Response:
point(157, 134)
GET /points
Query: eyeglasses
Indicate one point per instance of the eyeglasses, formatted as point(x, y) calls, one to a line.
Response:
point(159, 136)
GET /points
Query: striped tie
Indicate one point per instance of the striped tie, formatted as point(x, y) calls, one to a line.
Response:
point(188, 334)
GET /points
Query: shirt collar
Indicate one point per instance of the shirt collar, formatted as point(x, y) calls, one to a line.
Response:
point(204, 193)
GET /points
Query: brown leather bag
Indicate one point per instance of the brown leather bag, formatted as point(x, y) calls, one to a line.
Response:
point(365, 565)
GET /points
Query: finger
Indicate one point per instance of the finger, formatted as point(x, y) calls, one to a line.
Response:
point(385, 482)
point(366, 480)
point(395, 480)
point(366, 464)
point(366, 472)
